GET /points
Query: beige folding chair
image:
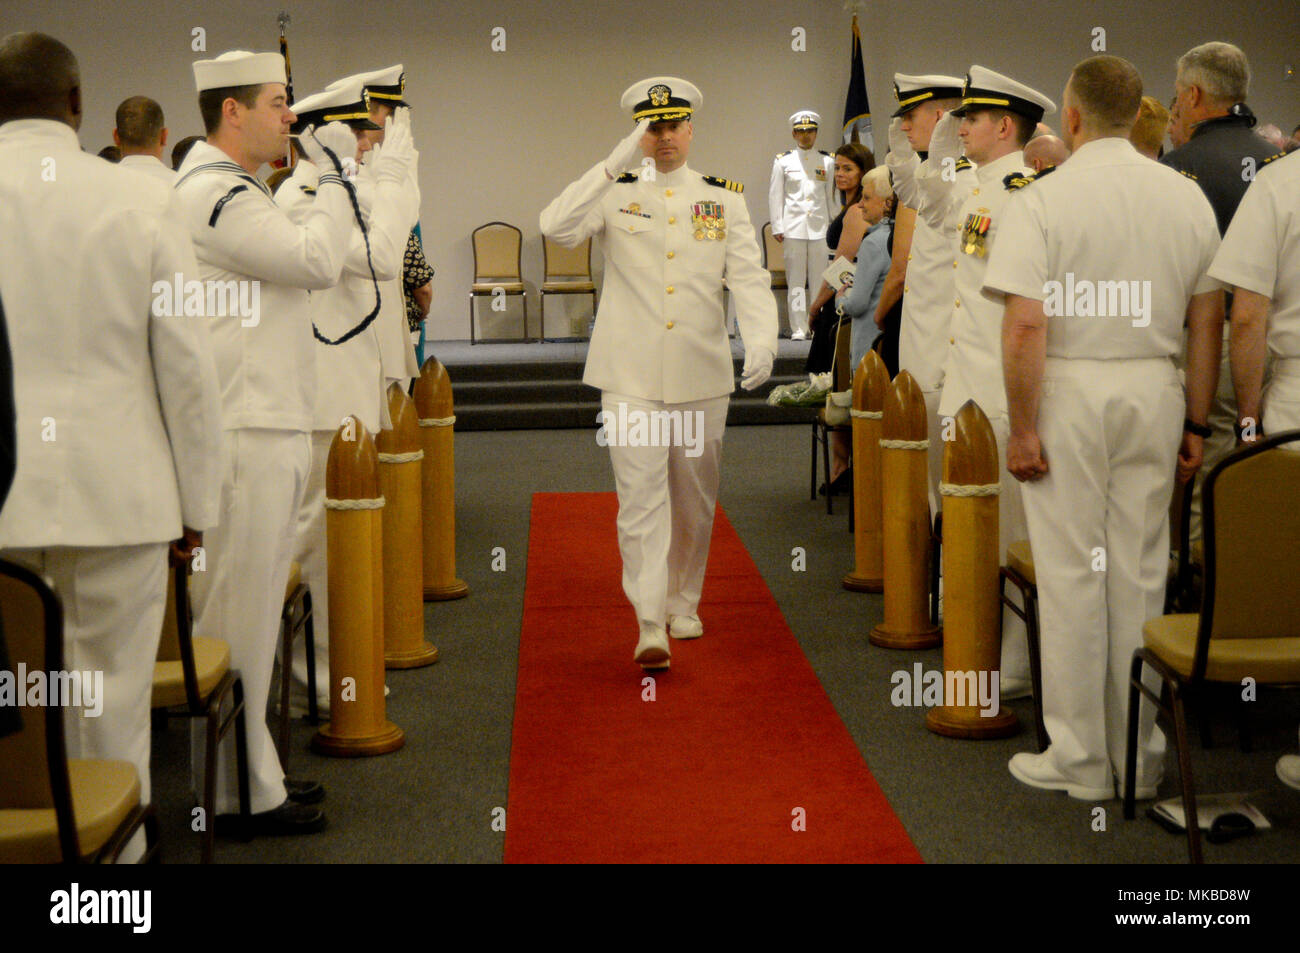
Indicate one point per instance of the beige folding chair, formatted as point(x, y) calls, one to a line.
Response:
point(568, 272)
point(497, 269)
point(54, 809)
point(1249, 623)
point(773, 252)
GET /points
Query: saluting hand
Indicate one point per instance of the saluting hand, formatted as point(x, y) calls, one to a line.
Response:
point(1025, 459)
point(627, 153)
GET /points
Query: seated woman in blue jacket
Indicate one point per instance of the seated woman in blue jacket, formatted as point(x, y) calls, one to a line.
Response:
point(859, 301)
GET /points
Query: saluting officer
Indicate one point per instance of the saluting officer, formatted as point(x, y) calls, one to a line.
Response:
point(349, 368)
point(921, 269)
point(996, 117)
point(1095, 404)
point(384, 91)
point(800, 197)
point(672, 236)
point(266, 362)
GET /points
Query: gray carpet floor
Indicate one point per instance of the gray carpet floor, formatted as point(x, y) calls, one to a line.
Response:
point(434, 800)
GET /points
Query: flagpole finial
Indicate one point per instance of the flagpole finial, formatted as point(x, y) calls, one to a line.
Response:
point(283, 20)
point(855, 7)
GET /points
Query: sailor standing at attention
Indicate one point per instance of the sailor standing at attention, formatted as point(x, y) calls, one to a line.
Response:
point(672, 237)
point(800, 197)
point(266, 364)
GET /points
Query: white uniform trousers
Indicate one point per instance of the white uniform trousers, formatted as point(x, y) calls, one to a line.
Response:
point(310, 553)
point(805, 260)
point(934, 452)
point(241, 598)
point(1099, 528)
point(113, 600)
point(666, 498)
point(1281, 405)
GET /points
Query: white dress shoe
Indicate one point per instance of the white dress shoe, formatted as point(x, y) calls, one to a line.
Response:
point(652, 649)
point(1037, 771)
point(685, 626)
point(798, 336)
point(1288, 770)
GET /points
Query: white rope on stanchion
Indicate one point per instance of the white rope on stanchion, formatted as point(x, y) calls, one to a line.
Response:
point(437, 421)
point(905, 444)
point(410, 457)
point(867, 414)
point(972, 489)
point(376, 504)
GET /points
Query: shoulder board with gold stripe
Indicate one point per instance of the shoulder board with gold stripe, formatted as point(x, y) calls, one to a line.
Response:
point(627, 177)
point(963, 163)
point(308, 189)
point(825, 153)
point(1274, 158)
point(724, 183)
point(1189, 174)
point(786, 153)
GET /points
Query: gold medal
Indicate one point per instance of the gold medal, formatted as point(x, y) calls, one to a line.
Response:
point(712, 234)
point(699, 234)
point(722, 233)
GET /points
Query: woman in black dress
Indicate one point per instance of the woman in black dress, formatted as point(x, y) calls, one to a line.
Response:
point(852, 161)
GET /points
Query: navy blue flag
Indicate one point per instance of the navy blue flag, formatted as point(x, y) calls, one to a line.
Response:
point(857, 111)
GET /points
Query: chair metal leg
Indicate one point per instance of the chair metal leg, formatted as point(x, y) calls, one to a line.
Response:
point(210, 784)
point(812, 465)
point(471, 319)
point(309, 638)
point(1130, 744)
point(1033, 639)
point(1185, 778)
point(852, 500)
point(826, 466)
point(241, 753)
point(286, 677)
point(936, 564)
point(541, 332)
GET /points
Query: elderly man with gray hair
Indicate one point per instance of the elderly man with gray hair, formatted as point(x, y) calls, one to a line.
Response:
point(1221, 154)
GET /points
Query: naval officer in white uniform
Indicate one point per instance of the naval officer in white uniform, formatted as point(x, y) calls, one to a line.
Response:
point(266, 363)
point(349, 373)
point(118, 427)
point(800, 197)
point(1099, 421)
point(997, 116)
point(671, 237)
point(922, 257)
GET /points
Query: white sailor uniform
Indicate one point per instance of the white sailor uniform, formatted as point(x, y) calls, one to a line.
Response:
point(267, 371)
point(801, 194)
point(1110, 424)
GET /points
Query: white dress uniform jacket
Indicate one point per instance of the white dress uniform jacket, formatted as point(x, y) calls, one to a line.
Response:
point(151, 166)
point(267, 362)
point(118, 427)
point(801, 193)
point(661, 332)
point(1261, 253)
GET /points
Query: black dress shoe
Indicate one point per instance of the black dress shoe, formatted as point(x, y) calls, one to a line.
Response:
point(304, 791)
point(289, 818)
point(842, 485)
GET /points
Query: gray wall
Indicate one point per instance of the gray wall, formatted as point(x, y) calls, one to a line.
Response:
point(501, 133)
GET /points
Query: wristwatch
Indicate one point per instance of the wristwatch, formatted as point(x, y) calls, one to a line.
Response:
point(1201, 430)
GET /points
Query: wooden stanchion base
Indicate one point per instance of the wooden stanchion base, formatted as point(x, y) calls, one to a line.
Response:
point(388, 738)
point(456, 590)
point(855, 583)
point(426, 655)
point(966, 722)
point(926, 638)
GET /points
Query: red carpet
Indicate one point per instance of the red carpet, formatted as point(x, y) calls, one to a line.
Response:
point(739, 736)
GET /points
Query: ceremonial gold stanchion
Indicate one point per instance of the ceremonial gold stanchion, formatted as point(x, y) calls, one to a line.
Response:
point(433, 403)
point(870, 381)
point(400, 458)
point(904, 489)
point(358, 724)
point(972, 639)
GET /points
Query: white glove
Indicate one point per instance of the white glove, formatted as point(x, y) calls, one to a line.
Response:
point(944, 141)
point(627, 154)
point(902, 162)
point(757, 369)
point(335, 137)
point(392, 158)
